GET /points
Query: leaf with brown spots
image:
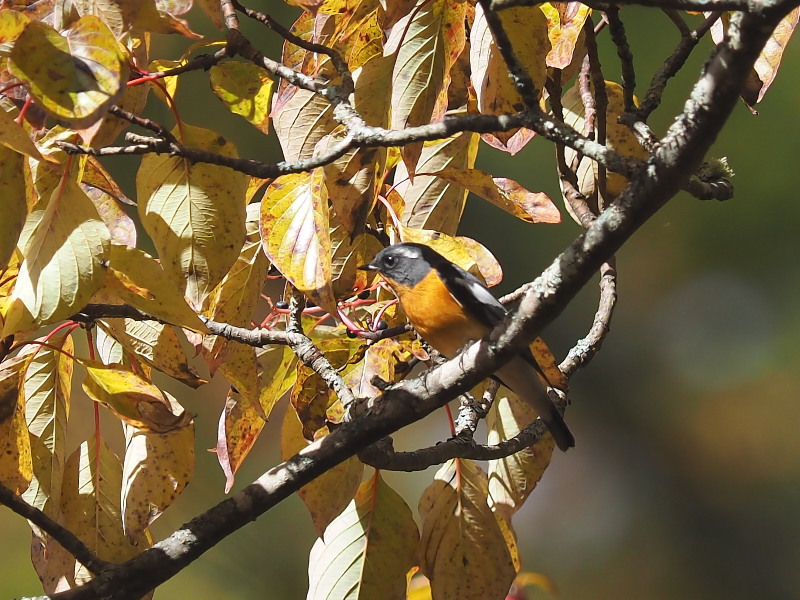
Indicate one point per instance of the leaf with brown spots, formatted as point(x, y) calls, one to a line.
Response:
point(75, 77)
point(194, 212)
point(295, 236)
point(463, 550)
point(157, 468)
point(531, 207)
point(327, 495)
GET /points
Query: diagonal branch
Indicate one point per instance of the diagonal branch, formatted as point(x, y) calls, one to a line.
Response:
point(65, 537)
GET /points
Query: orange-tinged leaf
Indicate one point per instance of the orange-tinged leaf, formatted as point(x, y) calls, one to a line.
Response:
point(12, 23)
point(526, 27)
point(431, 202)
point(47, 384)
point(16, 467)
point(132, 399)
point(74, 77)
point(157, 468)
point(245, 89)
point(194, 213)
point(549, 365)
point(295, 236)
point(302, 118)
point(241, 423)
point(95, 175)
point(513, 478)
point(65, 245)
point(425, 44)
point(120, 226)
point(241, 369)
point(462, 548)
point(156, 344)
point(564, 25)
point(766, 66)
point(368, 550)
point(349, 254)
point(212, 10)
point(311, 398)
point(532, 207)
point(379, 361)
point(327, 495)
point(15, 205)
point(239, 428)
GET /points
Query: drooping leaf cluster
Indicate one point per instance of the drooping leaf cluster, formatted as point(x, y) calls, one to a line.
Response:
point(352, 74)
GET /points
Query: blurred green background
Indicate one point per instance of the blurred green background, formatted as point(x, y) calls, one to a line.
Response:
point(685, 481)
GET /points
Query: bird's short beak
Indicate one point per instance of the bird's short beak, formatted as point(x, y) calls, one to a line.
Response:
point(369, 267)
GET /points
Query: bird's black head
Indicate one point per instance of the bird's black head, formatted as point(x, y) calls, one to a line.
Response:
point(405, 264)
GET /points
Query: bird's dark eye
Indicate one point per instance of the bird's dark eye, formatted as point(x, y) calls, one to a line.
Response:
point(389, 260)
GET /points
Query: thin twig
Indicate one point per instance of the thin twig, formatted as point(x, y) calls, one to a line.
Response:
point(585, 349)
point(63, 536)
point(620, 39)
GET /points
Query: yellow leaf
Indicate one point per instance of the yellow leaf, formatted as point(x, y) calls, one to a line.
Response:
point(531, 207)
point(157, 468)
point(241, 422)
point(133, 100)
point(553, 377)
point(95, 175)
point(513, 478)
point(132, 399)
point(156, 344)
point(327, 495)
point(65, 245)
point(526, 27)
point(16, 468)
point(120, 226)
point(462, 548)
point(90, 66)
point(245, 89)
point(119, 15)
point(368, 550)
point(431, 202)
point(564, 25)
point(349, 253)
point(47, 385)
point(194, 213)
point(90, 499)
point(14, 136)
point(162, 16)
point(302, 118)
point(235, 299)
point(425, 45)
point(294, 232)
point(465, 252)
point(15, 205)
point(379, 361)
point(12, 24)
point(618, 137)
point(140, 281)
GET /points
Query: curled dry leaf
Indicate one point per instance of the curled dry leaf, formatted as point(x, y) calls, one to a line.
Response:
point(132, 399)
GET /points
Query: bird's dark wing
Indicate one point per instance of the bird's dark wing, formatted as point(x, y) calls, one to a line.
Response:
point(479, 302)
point(475, 297)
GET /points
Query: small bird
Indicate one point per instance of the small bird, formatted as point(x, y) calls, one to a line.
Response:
point(449, 308)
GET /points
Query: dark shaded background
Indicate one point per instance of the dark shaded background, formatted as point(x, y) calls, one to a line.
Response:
point(685, 481)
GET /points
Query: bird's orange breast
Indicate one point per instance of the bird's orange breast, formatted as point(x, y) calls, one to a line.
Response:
point(437, 316)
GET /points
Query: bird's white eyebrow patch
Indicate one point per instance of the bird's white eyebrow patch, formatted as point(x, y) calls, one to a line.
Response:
point(407, 252)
